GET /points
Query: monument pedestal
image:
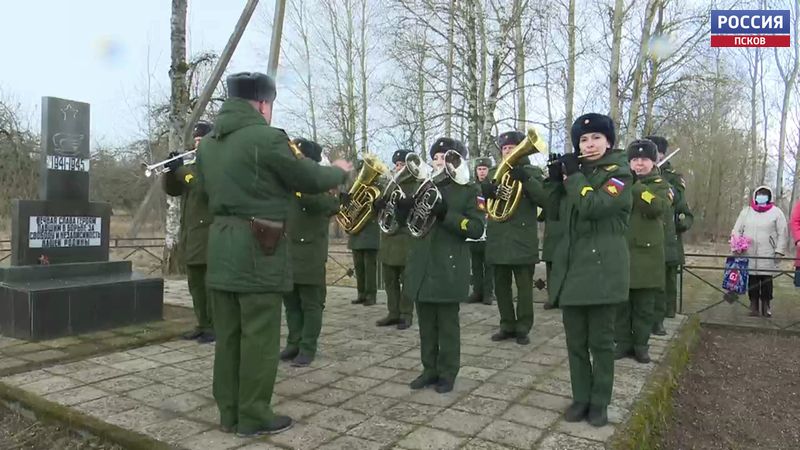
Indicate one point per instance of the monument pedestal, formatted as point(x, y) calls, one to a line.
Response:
point(50, 301)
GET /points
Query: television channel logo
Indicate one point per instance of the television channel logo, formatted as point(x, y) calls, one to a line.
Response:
point(750, 28)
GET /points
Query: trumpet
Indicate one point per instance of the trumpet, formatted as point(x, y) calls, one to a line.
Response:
point(161, 167)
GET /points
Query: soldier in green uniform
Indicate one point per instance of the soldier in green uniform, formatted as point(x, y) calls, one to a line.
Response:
point(180, 180)
point(591, 270)
point(650, 195)
point(552, 229)
point(666, 304)
point(307, 229)
point(393, 253)
point(364, 245)
point(437, 273)
point(250, 175)
point(482, 273)
point(512, 247)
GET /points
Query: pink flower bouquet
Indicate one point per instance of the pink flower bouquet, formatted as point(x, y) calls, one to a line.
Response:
point(740, 244)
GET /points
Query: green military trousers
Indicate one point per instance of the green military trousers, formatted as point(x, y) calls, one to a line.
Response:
point(548, 265)
point(590, 329)
point(440, 339)
point(304, 306)
point(520, 321)
point(482, 273)
point(400, 306)
point(365, 262)
point(665, 301)
point(248, 329)
point(196, 275)
point(635, 319)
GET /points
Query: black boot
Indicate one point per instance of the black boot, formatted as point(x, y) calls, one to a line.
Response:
point(387, 321)
point(641, 355)
point(620, 352)
point(474, 298)
point(444, 386)
point(766, 310)
point(302, 360)
point(404, 324)
point(192, 335)
point(658, 329)
point(753, 308)
point(576, 412)
point(277, 425)
point(502, 336)
point(598, 416)
point(369, 301)
point(289, 353)
point(488, 299)
point(548, 305)
point(358, 301)
point(423, 381)
point(523, 339)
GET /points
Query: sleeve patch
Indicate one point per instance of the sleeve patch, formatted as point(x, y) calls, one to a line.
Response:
point(464, 223)
point(614, 187)
point(671, 194)
point(683, 182)
point(188, 178)
point(298, 194)
point(481, 202)
point(611, 168)
point(648, 197)
point(586, 190)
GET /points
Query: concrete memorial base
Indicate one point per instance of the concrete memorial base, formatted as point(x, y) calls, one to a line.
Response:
point(50, 301)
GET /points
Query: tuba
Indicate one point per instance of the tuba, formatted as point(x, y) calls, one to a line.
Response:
point(420, 218)
point(387, 218)
point(509, 191)
point(358, 210)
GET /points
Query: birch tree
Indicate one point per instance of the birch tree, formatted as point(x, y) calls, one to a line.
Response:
point(788, 69)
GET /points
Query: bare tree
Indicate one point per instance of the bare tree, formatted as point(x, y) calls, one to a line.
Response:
point(570, 92)
point(633, 114)
point(618, 17)
point(788, 69)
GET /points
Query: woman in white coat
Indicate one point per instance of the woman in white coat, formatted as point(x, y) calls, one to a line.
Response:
point(765, 225)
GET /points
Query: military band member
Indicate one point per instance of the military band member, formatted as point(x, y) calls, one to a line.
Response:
point(552, 230)
point(482, 273)
point(512, 247)
point(393, 254)
point(364, 245)
point(180, 180)
point(437, 274)
point(251, 175)
point(591, 270)
point(650, 195)
point(307, 227)
point(666, 303)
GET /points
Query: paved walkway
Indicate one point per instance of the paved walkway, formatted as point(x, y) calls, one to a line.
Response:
point(355, 395)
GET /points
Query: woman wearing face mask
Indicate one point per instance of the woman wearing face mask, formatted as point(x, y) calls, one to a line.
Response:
point(764, 225)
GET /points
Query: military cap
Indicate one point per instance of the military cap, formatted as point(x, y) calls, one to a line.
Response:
point(592, 123)
point(309, 148)
point(201, 129)
point(252, 86)
point(400, 156)
point(443, 144)
point(642, 148)
point(660, 141)
point(510, 138)
point(483, 162)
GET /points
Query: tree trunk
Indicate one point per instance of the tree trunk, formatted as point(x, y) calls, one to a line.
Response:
point(570, 90)
point(448, 100)
point(421, 93)
point(636, 94)
point(349, 46)
point(616, 45)
point(765, 127)
point(472, 78)
point(519, 66)
point(482, 53)
point(178, 111)
point(754, 70)
point(655, 65)
point(789, 79)
point(363, 65)
point(310, 91)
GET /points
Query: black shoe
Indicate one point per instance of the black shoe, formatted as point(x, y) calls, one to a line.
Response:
point(206, 337)
point(228, 428)
point(523, 340)
point(620, 353)
point(368, 302)
point(658, 329)
point(641, 355)
point(302, 360)
point(502, 336)
point(423, 381)
point(404, 324)
point(474, 298)
point(488, 300)
point(277, 425)
point(598, 416)
point(192, 335)
point(289, 353)
point(576, 412)
point(444, 386)
point(766, 310)
point(358, 301)
point(386, 321)
point(548, 305)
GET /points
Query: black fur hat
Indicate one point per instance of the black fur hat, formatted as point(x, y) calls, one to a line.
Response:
point(483, 162)
point(201, 129)
point(443, 144)
point(309, 148)
point(252, 86)
point(660, 141)
point(510, 138)
point(400, 156)
point(642, 148)
point(592, 123)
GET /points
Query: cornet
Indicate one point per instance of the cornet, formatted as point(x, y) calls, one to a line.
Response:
point(161, 167)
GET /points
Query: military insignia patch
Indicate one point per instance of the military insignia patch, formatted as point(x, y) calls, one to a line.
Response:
point(671, 195)
point(658, 180)
point(188, 178)
point(586, 190)
point(464, 223)
point(614, 186)
point(683, 182)
point(611, 168)
point(648, 197)
point(481, 204)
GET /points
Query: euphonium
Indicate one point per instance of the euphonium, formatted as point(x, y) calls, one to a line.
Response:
point(387, 218)
point(509, 191)
point(421, 219)
point(358, 210)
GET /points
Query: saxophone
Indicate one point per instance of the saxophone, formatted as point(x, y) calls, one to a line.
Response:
point(509, 191)
point(358, 210)
point(420, 218)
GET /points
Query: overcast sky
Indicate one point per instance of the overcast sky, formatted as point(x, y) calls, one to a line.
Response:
point(96, 51)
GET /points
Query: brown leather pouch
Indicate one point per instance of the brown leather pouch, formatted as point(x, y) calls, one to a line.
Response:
point(267, 233)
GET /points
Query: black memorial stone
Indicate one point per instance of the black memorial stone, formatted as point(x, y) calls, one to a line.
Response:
point(60, 281)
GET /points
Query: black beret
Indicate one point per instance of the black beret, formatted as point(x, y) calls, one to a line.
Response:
point(252, 86)
point(483, 162)
point(309, 148)
point(642, 148)
point(510, 138)
point(400, 156)
point(201, 129)
point(443, 144)
point(660, 141)
point(592, 123)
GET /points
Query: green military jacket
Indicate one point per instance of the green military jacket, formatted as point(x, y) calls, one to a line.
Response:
point(248, 170)
point(671, 250)
point(438, 265)
point(394, 248)
point(366, 239)
point(646, 234)
point(307, 228)
point(591, 265)
point(553, 228)
point(516, 241)
point(195, 218)
point(683, 217)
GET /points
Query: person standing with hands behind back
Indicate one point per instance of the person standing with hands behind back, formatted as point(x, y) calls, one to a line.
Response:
point(591, 270)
